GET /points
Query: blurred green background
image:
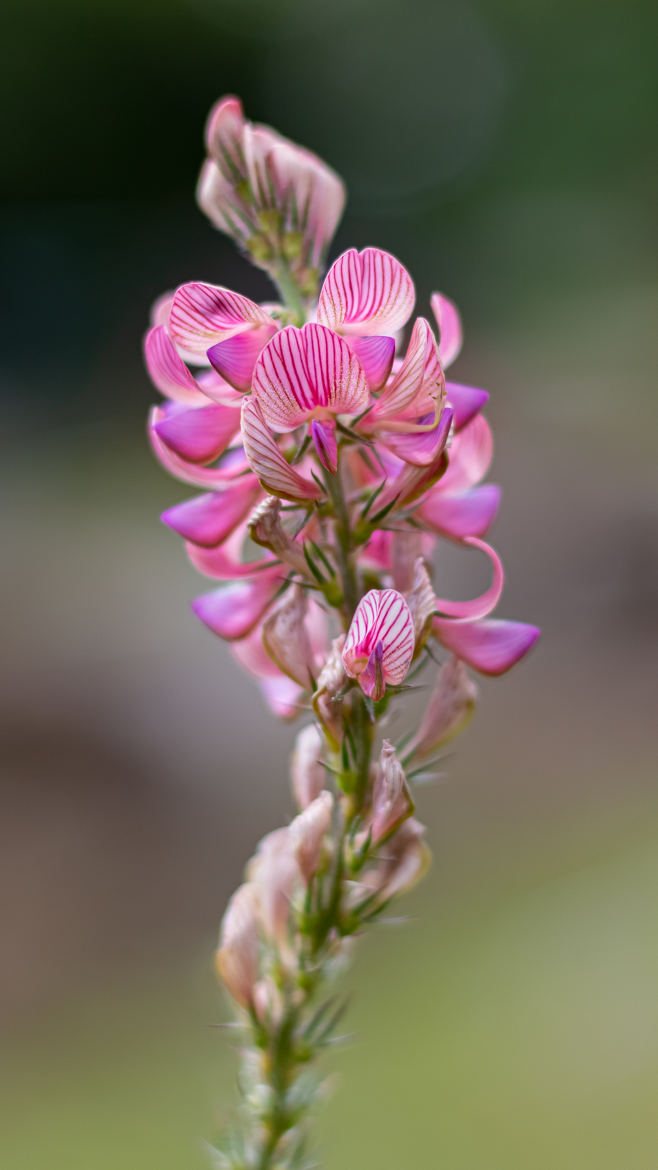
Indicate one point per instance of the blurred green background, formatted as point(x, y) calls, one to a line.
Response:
point(507, 154)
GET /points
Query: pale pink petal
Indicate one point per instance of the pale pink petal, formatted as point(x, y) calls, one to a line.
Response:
point(223, 131)
point(207, 520)
point(469, 513)
point(381, 617)
point(217, 198)
point(268, 464)
point(168, 371)
point(417, 387)
point(466, 401)
point(479, 607)
point(375, 355)
point(470, 456)
point(233, 464)
point(199, 435)
point(203, 314)
point(366, 292)
point(305, 373)
point(283, 696)
point(491, 646)
point(450, 328)
point(233, 610)
point(309, 188)
point(161, 308)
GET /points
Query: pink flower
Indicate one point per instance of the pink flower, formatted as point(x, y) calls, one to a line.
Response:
point(208, 323)
point(391, 798)
point(239, 944)
point(380, 642)
point(269, 194)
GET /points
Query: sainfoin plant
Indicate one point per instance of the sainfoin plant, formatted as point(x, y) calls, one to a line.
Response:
point(333, 460)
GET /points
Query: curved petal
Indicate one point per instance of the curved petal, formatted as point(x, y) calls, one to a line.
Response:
point(419, 448)
point(382, 619)
point(366, 292)
point(199, 435)
point(311, 189)
point(308, 372)
point(419, 384)
point(234, 462)
point(234, 359)
point(234, 610)
point(275, 475)
point(224, 129)
point(225, 563)
point(482, 605)
point(207, 520)
point(469, 513)
point(466, 401)
point(450, 328)
point(492, 646)
point(470, 456)
point(203, 314)
point(375, 355)
point(168, 371)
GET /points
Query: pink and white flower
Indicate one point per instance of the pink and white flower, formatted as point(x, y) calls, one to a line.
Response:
point(379, 645)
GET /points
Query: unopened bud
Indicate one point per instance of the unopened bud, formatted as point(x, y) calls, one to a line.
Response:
point(450, 708)
point(307, 771)
point(422, 604)
point(237, 956)
point(286, 638)
point(308, 831)
point(391, 798)
point(266, 528)
point(275, 873)
point(327, 700)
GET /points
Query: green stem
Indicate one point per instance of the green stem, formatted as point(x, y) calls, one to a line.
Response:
point(290, 292)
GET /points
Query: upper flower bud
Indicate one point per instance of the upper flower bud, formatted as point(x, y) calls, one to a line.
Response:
point(237, 955)
point(276, 198)
point(380, 642)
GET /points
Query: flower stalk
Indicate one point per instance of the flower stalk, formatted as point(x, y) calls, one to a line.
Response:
point(345, 461)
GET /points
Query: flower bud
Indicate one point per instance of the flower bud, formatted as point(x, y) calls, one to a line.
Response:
point(332, 681)
point(406, 862)
point(450, 708)
point(308, 831)
point(380, 642)
point(422, 605)
point(237, 956)
point(265, 528)
point(307, 771)
point(286, 638)
point(275, 873)
point(391, 798)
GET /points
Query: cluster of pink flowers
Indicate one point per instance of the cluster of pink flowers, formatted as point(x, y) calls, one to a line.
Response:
point(333, 459)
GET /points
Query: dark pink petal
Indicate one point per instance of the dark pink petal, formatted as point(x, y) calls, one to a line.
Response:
point(470, 513)
point(268, 464)
point(232, 611)
point(412, 482)
point(168, 371)
point(235, 358)
point(207, 520)
point(324, 439)
point(375, 355)
point(371, 679)
point(480, 606)
point(466, 401)
point(420, 449)
point(366, 292)
point(203, 314)
point(225, 562)
point(381, 616)
point(234, 462)
point(450, 328)
point(199, 435)
point(490, 646)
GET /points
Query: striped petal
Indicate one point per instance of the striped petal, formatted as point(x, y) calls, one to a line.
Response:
point(307, 373)
point(417, 388)
point(469, 513)
point(168, 371)
point(450, 328)
point(274, 473)
point(203, 314)
point(366, 292)
point(380, 640)
point(199, 435)
point(223, 132)
point(491, 647)
point(480, 606)
point(311, 191)
point(234, 610)
point(207, 520)
point(466, 401)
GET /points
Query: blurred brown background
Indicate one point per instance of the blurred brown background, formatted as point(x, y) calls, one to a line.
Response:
point(507, 155)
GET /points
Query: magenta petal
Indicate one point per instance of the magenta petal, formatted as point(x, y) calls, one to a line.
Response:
point(419, 449)
point(234, 463)
point(376, 357)
point(208, 520)
point(199, 435)
point(225, 562)
point(235, 358)
point(491, 646)
point(470, 455)
point(371, 679)
point(466, 401)
point(450, 328)
point(480, 606)
point(324, 438)
point(167, 369)
point(470, 513)
point(233, 611)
